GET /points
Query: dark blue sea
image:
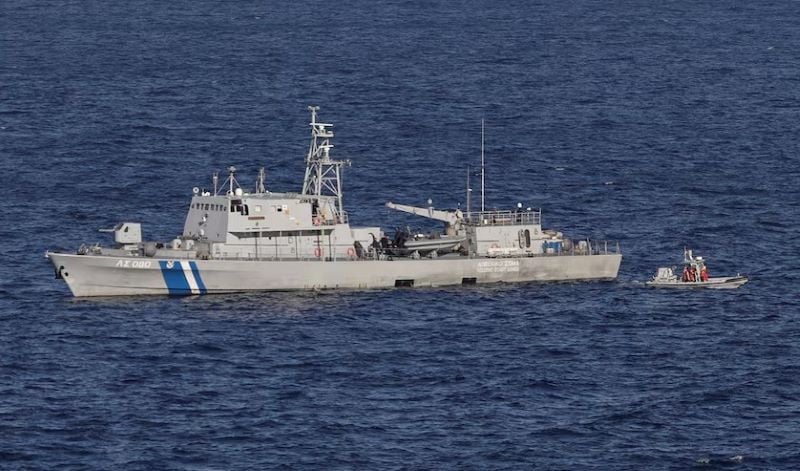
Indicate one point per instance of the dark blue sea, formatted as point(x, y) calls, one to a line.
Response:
point(661, 125)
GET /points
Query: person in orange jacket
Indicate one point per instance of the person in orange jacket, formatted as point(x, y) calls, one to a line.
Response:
point(704, 273)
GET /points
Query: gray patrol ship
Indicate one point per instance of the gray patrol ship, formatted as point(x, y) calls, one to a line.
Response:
point(235, 240)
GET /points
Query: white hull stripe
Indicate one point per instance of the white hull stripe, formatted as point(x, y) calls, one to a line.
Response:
point(187, 272)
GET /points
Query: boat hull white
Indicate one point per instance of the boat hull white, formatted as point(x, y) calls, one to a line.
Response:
point(92, 275)
point(725, 282)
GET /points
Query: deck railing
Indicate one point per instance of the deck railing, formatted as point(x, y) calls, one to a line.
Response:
point(585, 247)
point(503, 218)
point(590, 247)
point(343, 219)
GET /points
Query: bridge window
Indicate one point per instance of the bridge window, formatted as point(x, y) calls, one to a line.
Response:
point(527, 238)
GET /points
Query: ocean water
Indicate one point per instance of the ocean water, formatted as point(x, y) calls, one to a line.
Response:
point(656, 124)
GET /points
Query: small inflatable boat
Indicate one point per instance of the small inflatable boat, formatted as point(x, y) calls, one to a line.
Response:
point(695, 275)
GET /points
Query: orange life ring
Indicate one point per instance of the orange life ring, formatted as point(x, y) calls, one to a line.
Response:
point(317, 220)
point(351, 252)
point(318, 252)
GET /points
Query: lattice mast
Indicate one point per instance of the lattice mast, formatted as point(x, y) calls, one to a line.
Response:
point(323, 175)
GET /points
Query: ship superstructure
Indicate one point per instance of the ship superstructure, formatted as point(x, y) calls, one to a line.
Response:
point(238, 240)
point(231, 223)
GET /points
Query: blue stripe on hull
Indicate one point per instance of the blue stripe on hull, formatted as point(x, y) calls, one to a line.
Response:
point(175, 279)
point(196, 273)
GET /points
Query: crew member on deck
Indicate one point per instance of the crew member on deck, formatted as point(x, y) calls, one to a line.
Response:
point(704, 273)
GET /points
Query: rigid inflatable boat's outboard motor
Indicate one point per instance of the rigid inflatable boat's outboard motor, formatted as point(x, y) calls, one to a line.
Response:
point(359, 249)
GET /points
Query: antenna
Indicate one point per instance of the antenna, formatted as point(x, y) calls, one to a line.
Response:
point(262, 176)
point(469, 192)
point(483, 172)
point(231, 179)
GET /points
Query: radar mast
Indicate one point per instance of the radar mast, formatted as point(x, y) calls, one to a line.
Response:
point(323, 175)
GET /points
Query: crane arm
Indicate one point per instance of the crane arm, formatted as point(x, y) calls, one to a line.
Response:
point(449, 217)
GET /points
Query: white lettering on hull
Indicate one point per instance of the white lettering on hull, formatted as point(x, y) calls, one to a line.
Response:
point(498, 266)
point(133, 263)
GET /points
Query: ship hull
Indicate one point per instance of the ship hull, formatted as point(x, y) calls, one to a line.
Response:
point(90, 275)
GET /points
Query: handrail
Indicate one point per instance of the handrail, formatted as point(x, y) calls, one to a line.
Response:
point(503, 217)
point(343, 219)
point(591, 247)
